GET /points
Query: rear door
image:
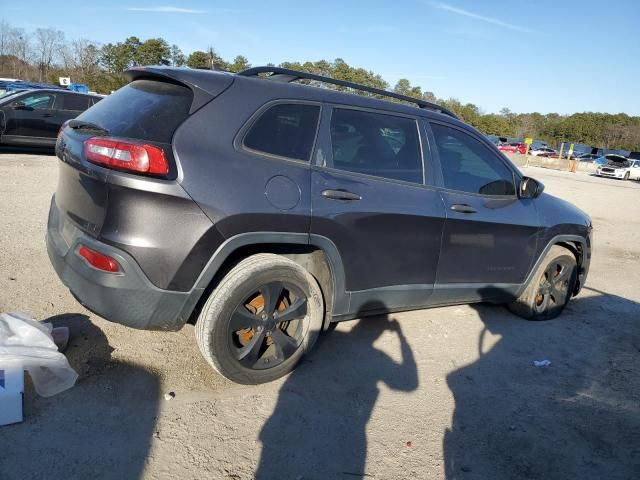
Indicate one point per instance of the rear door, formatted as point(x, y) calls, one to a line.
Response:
point(370, 199)
point(490, 234)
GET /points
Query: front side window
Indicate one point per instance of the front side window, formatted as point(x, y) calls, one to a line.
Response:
point(38, 101)
point(375, 144)
point(285, 130)
point(469, 166)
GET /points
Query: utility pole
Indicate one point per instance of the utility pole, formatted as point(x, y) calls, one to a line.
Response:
point(210, 52)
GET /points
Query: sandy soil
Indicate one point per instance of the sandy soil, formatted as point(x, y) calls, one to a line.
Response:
point(441, 393)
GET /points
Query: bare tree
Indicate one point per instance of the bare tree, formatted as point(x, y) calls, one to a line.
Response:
point(18, 51)
point(80, 59)
point(48, 45)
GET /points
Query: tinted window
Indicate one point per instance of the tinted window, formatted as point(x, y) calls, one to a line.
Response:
point(469, 166)
point(375, 144)
point(38, 101)
point(78, 103)
point(286, 130)
point(143, 109)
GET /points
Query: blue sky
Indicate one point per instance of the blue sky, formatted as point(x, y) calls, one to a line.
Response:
point(560, 56)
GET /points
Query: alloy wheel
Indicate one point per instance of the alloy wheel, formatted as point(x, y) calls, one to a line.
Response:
point(554, 286)
point(268, 326)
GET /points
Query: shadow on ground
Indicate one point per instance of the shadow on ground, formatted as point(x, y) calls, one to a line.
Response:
point(579, 418)
point(318, 428)
point(100, 428)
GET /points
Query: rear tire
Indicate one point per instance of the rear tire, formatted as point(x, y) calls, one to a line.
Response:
point(261, 319)
point(551, 287)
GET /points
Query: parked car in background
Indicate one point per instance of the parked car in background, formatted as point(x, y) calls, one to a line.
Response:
point(619, 167)
point(496, 140)
point(306, 206)
point(542, 151)
point(556, 155)
point(34, 117)
point(587, 157)
point(507, 148)
point(521, 148)
point(613, 157)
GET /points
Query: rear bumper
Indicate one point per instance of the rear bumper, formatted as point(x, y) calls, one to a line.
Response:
point(127, 297)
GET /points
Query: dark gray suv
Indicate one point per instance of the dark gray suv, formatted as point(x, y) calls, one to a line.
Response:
point(262, 210)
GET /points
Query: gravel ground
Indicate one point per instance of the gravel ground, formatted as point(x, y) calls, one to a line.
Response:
point(441, 393)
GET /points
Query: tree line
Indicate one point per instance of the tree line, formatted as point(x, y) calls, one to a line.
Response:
point(45, 54)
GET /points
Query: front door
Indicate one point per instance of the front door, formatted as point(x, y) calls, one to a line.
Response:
point(370, 198)
point(490, 234)
point(33, 115)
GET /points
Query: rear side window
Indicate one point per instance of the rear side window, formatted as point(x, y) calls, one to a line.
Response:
point(143, 109)
point(376, 144)
point(469, 166)
point(78, 103)
point(286, 130)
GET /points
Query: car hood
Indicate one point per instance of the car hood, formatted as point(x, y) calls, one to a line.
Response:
point(617, 164)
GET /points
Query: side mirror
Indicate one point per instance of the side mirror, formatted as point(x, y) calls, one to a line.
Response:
point(530, 188)
point(18, 105)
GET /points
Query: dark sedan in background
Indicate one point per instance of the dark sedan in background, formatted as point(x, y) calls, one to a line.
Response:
point(33, 117)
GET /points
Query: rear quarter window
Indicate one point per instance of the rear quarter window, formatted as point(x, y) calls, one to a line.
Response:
point(143, 109)
point(285, 130)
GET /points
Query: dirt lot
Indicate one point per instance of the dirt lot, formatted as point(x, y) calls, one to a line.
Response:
point(442, 393)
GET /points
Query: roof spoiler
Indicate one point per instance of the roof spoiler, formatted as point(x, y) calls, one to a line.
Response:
point(205, 84)
point(286, 75)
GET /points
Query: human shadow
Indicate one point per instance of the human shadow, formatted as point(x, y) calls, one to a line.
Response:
point(100, 428)
point(578, 418)
point(318, 427)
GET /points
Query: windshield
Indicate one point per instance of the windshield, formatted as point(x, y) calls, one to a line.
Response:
point(8, 95)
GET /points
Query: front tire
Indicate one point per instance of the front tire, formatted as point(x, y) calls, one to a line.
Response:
point(261, 319)
point(627, 175)
point(551, 287)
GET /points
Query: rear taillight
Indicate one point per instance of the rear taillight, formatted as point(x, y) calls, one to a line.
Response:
point(128, 156)
point(98, 260)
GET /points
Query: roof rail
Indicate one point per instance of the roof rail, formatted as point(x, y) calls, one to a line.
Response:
point(286, 75)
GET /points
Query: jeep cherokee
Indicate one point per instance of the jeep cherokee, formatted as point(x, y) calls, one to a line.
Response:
point(262, 210)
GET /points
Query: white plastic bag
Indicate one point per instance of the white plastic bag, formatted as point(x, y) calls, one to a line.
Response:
point(29, 343)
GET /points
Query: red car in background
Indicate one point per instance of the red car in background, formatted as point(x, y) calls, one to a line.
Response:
point(507, 148)
point(512, 148)
point(522, 147)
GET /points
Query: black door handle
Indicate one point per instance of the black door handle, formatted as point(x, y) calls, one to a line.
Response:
point(463, 208)
point(340, 195)
point(47, 115)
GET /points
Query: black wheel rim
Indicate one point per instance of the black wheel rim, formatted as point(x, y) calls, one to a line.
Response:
point(268, 326)
point(554, 286)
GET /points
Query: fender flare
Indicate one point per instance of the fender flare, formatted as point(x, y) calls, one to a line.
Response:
point(226, 249)
point(554, 241)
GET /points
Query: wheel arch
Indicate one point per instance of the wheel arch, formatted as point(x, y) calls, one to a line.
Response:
point(317, 254)
point(577, 245)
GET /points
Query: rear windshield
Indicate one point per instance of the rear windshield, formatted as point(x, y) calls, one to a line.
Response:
point(144, 109)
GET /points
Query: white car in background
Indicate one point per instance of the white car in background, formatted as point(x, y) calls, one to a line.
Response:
point(541, 151)
point(619, 167)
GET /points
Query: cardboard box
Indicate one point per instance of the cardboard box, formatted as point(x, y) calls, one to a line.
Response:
point(11, 394)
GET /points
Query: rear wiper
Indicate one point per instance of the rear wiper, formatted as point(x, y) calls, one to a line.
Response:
point(82, 125)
